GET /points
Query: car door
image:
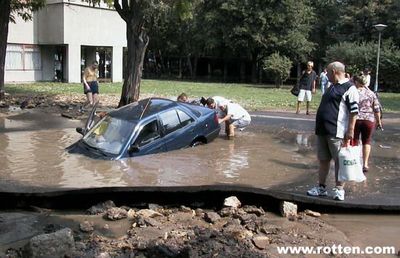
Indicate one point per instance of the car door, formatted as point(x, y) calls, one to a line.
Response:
point(149, 140)
point(178, 128)
point(90, 122)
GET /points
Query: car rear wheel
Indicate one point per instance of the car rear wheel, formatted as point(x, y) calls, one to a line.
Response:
point(196, 143)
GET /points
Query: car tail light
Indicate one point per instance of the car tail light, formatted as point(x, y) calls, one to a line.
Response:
point(216, 118)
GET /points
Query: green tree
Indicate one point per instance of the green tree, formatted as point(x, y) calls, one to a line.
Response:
point(279, 68)
point(139, 16)
point(9, 9)
point(256, 29)
point(358, 55)
point(173, 35)
point(355, 55)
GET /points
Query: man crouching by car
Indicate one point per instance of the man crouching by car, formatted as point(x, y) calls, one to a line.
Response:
point(234, 116)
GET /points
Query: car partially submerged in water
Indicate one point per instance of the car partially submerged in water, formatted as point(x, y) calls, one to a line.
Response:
point(145, 127)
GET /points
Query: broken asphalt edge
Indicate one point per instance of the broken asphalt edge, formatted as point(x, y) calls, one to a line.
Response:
point(201, 196)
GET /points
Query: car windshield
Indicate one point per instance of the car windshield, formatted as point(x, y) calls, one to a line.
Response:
point(110, 134)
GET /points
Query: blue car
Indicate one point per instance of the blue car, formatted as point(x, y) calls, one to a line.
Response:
point(145, 127)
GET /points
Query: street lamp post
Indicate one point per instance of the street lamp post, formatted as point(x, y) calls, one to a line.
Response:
point(379, 27)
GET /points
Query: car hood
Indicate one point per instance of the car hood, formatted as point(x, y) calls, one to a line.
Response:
point(81, 148)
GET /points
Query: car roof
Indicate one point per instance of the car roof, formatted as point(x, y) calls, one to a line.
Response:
point(142, 109)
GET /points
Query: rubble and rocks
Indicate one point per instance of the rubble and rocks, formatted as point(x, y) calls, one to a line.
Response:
point(86, 226)
point(232, 201)
point(101, 208)
point(182, 231)
point(116, 213)
point(70, 106)
point(288, 209)
point(58, 244)
point(312, 213)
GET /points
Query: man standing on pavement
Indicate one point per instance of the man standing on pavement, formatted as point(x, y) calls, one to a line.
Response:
point(335, 122)
point(307, 87)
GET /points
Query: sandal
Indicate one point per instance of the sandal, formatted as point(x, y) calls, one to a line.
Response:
point(365, 170)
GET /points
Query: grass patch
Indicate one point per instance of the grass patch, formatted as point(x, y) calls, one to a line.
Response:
point(252, 96)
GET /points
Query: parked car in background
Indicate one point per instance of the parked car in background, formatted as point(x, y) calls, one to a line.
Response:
point(145, 127)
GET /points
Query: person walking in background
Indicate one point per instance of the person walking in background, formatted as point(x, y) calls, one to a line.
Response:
point(323, 81)
point(307, 87)
point(367, 76)
point(90, 84)
point(369, 117)
point(334, 126)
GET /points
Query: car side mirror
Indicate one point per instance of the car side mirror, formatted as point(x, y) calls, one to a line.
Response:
point(80, 130)
point(134, 148)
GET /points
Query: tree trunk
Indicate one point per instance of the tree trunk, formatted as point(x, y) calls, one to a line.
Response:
point(209, 71)
point(195, 67)
point(189, 63)
point(180, 68)
point(137, 41)
point(298, 71)
point(242, 71)
point(254, 68)
point(4, 20)
point(225, 78)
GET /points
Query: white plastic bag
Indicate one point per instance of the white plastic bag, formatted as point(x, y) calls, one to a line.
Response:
point(350, 168)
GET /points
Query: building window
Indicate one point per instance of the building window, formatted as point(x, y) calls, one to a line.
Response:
point(23, 57)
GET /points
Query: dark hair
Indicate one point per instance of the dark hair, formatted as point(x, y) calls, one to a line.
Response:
point(181, 96)
point(210, 101)
point(203, 101)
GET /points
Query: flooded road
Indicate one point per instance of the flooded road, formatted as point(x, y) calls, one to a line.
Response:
point(36, 160)
point(268, 154)
point(272, 153)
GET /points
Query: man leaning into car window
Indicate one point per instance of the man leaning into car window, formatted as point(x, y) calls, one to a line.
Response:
point(234, 115)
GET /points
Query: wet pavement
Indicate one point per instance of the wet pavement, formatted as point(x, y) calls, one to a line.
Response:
point(276, 154)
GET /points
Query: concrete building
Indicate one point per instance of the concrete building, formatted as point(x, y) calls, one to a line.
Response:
point(62, 39)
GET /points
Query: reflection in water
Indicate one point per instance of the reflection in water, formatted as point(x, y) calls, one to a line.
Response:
point(234, 161)
point(302, 140)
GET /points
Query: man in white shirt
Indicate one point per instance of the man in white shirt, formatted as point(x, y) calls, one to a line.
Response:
point(234, 115)
point(215, 102)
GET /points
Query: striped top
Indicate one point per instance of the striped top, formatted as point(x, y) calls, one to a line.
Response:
point(337, 103)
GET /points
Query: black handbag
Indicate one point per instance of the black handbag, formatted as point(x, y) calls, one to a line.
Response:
point(295, 90)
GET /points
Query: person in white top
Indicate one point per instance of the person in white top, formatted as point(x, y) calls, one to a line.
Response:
point(367, 76)
point(234, 116)
point(215, 102)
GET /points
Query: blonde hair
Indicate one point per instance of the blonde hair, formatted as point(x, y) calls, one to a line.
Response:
point(362, 79)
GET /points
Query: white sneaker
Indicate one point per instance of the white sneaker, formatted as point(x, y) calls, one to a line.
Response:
point(338, 194)
point(317, 191)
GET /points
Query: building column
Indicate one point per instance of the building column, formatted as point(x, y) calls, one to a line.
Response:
point(117, 64)
point(73, 68)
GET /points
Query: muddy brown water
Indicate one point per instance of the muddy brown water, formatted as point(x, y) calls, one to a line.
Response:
point(34, 159)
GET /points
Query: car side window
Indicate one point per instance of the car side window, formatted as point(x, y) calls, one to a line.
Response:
point(148, 134)
point(184, 118)
point(170, 121)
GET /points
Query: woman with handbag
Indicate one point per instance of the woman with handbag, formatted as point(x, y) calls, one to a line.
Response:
point(369, 117)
